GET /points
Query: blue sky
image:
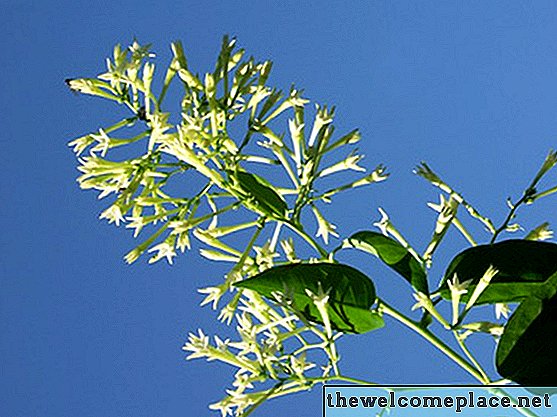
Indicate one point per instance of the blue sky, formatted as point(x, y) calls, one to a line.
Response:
point(468, 87)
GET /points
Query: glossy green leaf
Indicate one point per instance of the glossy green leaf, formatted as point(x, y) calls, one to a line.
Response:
point(351, 293)
point(262, 194)
point(523, 266)
point(393, 254)
point(526, 353)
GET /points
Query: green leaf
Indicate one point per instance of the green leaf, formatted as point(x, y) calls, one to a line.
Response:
point(526, 351)
point(393, 254)
point(262, 194)
point(523, 266)
point(351, 293)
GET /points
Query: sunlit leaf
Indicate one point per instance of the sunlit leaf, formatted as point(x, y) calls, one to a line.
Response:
point(351, 293)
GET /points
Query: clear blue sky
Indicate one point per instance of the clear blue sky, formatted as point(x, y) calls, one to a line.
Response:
point(469, 87)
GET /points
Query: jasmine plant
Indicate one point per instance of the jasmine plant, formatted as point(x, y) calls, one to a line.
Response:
point(204, 174)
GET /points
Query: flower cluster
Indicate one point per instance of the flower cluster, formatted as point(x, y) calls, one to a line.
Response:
point(272, 355)
point(190, 176)
point(202, 142)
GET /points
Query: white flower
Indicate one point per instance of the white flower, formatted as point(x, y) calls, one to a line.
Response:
point(438, 208)
point(424, 302)
point(351, 162)
point(542, 232)
point(264, 256)
point(457, 287)
point(227, 314)
point(133, 255)
point(164, 250)
point(197, 344)
point(136, 223)
point(113, 214)
point(213, 295)
point(324, 228)
point(320, 300)
point(482, 285)
point(502, 309)
point(322, 118)
point(80, 144)
point(299, 365)
point(288, 248)
point(183, 241)
point(384, 223)
point(103, 142)
point(297, 135)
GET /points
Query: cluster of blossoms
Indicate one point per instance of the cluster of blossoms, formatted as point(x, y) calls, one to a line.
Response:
point(274, 354)
point(273, 347)
point(202, 142)
point(197, 177)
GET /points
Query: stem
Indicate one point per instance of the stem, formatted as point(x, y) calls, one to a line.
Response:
point(322, 252)
point(544, 193)
point(528, 195)
point(471, 357)
point(350, 379)
point(120, 124)
point(434, 340)
point(264, 398)
point(199, 220)
point(464, 232)
point(280, 155)
point(276, 234)
point(510, 216)
point(260, 226)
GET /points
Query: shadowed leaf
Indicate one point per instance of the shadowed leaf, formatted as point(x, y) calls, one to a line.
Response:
point(523, 266)
point(393, 254)
point(263, 194)
point(526, 352)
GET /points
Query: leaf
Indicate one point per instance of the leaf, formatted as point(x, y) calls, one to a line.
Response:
point(263, 194)
point(351, 293)
point(393, 254)
point(523, 266)
point(526, 351)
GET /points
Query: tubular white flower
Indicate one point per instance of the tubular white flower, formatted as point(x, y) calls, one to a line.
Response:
point(324, 228)
point(163, 250)
point(457, 289)
point(351, 162)
point(481, 286)
point(113, 214)
point(502, 310)
point(213, 295)
point(384, 223)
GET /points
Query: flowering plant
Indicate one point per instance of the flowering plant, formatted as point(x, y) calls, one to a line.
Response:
point(233, 137)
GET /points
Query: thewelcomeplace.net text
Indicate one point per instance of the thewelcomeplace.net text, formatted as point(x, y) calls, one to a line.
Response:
point(458, 403)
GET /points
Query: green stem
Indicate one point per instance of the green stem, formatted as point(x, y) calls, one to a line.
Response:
point(431, 338)
point(464, 232)
point(544, 193)
point(471, 357)
point(275, 238)
point(264, 398)
point(510, 216)
point(120, 124)
point(247, 250)
point(351, 380)
point(298, 229)
point(199, 220)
